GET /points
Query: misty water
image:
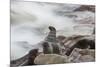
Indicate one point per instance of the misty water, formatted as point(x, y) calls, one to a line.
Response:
point(30, 21)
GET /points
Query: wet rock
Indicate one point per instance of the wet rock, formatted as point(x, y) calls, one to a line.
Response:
point(86, 7)
point(87, 52)
point(25, 60)
point(86, 58)
point(20, 62)
point(82, 55)
point(79, 41)
point(60, 38)
point(32, 55)
point(50, 59)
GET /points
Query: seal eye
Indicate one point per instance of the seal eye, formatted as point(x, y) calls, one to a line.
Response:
point(52, 28)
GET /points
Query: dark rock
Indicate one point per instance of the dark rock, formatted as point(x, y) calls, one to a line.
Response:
point(20, 62)
point(32, 54)
point(82, 42)
point(25, 60)
point(86, 7)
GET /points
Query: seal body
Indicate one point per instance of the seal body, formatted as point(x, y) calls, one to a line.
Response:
point(50, 45)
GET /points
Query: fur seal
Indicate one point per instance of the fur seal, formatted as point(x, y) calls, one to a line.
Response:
point(50, 44)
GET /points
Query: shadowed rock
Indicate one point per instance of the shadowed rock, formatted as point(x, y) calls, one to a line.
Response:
point(26, 60)
point(79, 41)
point(86, 7)
point(32, 54)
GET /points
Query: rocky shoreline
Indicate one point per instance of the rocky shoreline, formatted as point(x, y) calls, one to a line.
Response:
point(60, 49)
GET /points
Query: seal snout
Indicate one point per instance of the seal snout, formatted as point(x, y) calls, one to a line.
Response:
point(51, 28)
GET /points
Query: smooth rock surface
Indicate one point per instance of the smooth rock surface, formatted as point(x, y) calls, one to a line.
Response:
point(50, 59)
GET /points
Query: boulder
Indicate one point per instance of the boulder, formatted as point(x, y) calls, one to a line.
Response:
point(25, 60)
point(79, 41)
point(43, 59)
point(86, 7)
point(82, 55)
